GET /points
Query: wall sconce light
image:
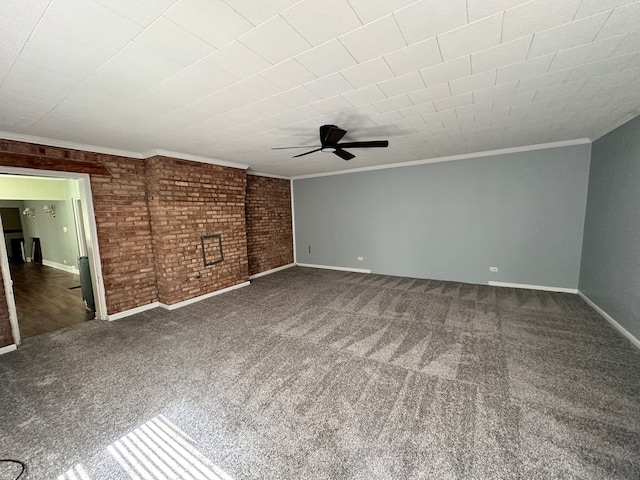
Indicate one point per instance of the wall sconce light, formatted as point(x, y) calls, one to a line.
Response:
point(29, 212)
point(50, 209)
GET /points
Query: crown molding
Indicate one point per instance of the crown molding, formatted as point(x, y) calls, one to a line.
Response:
point(193, 158)
point(50, 142)
point(464, 156)
point(270, 175)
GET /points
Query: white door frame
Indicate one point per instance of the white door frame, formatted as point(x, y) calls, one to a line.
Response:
point(91, 232)
point(8, 287)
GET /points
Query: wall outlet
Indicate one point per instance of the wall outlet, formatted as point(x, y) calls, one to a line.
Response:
point(360, 259)
point(64, 229)
point(64, 261)
point(493, 269)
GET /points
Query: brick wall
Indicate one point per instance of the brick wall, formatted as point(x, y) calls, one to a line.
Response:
point(188, 200)
point(151, 214)
point(269, 225)
point(121, 213)
point(6, 337)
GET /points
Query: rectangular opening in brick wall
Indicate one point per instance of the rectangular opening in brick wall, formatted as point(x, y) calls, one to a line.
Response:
point(211, 249)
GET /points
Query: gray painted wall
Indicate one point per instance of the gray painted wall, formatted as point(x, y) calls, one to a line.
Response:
point(522, 212)
point(610, 273)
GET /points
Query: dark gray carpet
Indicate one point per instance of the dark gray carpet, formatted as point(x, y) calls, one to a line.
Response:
point(311, 374)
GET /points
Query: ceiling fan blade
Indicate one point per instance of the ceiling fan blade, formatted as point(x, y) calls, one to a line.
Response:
point(344, 154)
point(370, 144)
point(333, 135)
point(301, 146)
point(307, 153)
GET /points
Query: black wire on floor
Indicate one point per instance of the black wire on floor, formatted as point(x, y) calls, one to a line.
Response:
point(17, 462)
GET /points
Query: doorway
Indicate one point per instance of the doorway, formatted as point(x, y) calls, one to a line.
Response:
point(50, 262)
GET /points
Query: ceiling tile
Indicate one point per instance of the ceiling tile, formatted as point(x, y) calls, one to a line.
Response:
point(297, 97)
point(537, 15)
point(417, 56)
point(329, 86)
point(418, 110)
point(428, 18)
point(86, 23)
point(370, 10)
point(133, 70)
point(30, 75)
point(501, 55)
point(394, 103)
point(319, 21)
point(205, 77)
point(492, 93)
point(373, 71)
point(549, 93)
point(453, 102)
point(7, 58)
point(473, 82)
point(447, 71)
point(566, 36)
point(471, 38)
point(258, 12)
point(629, 44)
point(332, 104)
point(326, 59)
point(255, 88)
point(288, 74)
point(621, 20)
point(528, 68)
point(198, 16)
point(403, 84)
point(587, 53)
point(591, 7)
point(275, 40)
point(142, 12)
point(516, 99)
point(603, 67)
point(374, 39)
point(69, 59)
point(433, 92)
point(238, 60)
point(484, 8)
point(18, 19)
point(542, 81)
point(364, 95)
point(174, 42)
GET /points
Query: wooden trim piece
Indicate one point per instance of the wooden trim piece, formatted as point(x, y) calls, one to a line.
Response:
point(10, 159)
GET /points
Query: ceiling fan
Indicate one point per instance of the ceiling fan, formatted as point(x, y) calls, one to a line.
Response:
point(330, 135)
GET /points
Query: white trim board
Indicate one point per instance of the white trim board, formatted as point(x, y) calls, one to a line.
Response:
point(464, 156)
point(610, 319)
point(60, 266)
point(7, 349)
point(269, 175)
point(193, 158)
point(184, 303)
point(269, 272)
point(543, 288)
point(133, 311)
point(329, 267)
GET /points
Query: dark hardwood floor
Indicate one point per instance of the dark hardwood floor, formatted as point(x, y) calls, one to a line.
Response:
point(44, 301)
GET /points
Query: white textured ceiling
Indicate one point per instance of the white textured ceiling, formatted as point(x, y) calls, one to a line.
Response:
point(230, 79)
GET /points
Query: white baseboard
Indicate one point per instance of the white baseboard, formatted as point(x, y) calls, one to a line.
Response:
point(60, 266)
point(340, 269)
point(610, 319)
point(533, 287)
point(133, 311)
point(174, 306)
point(7, 349)
point(269, 272)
